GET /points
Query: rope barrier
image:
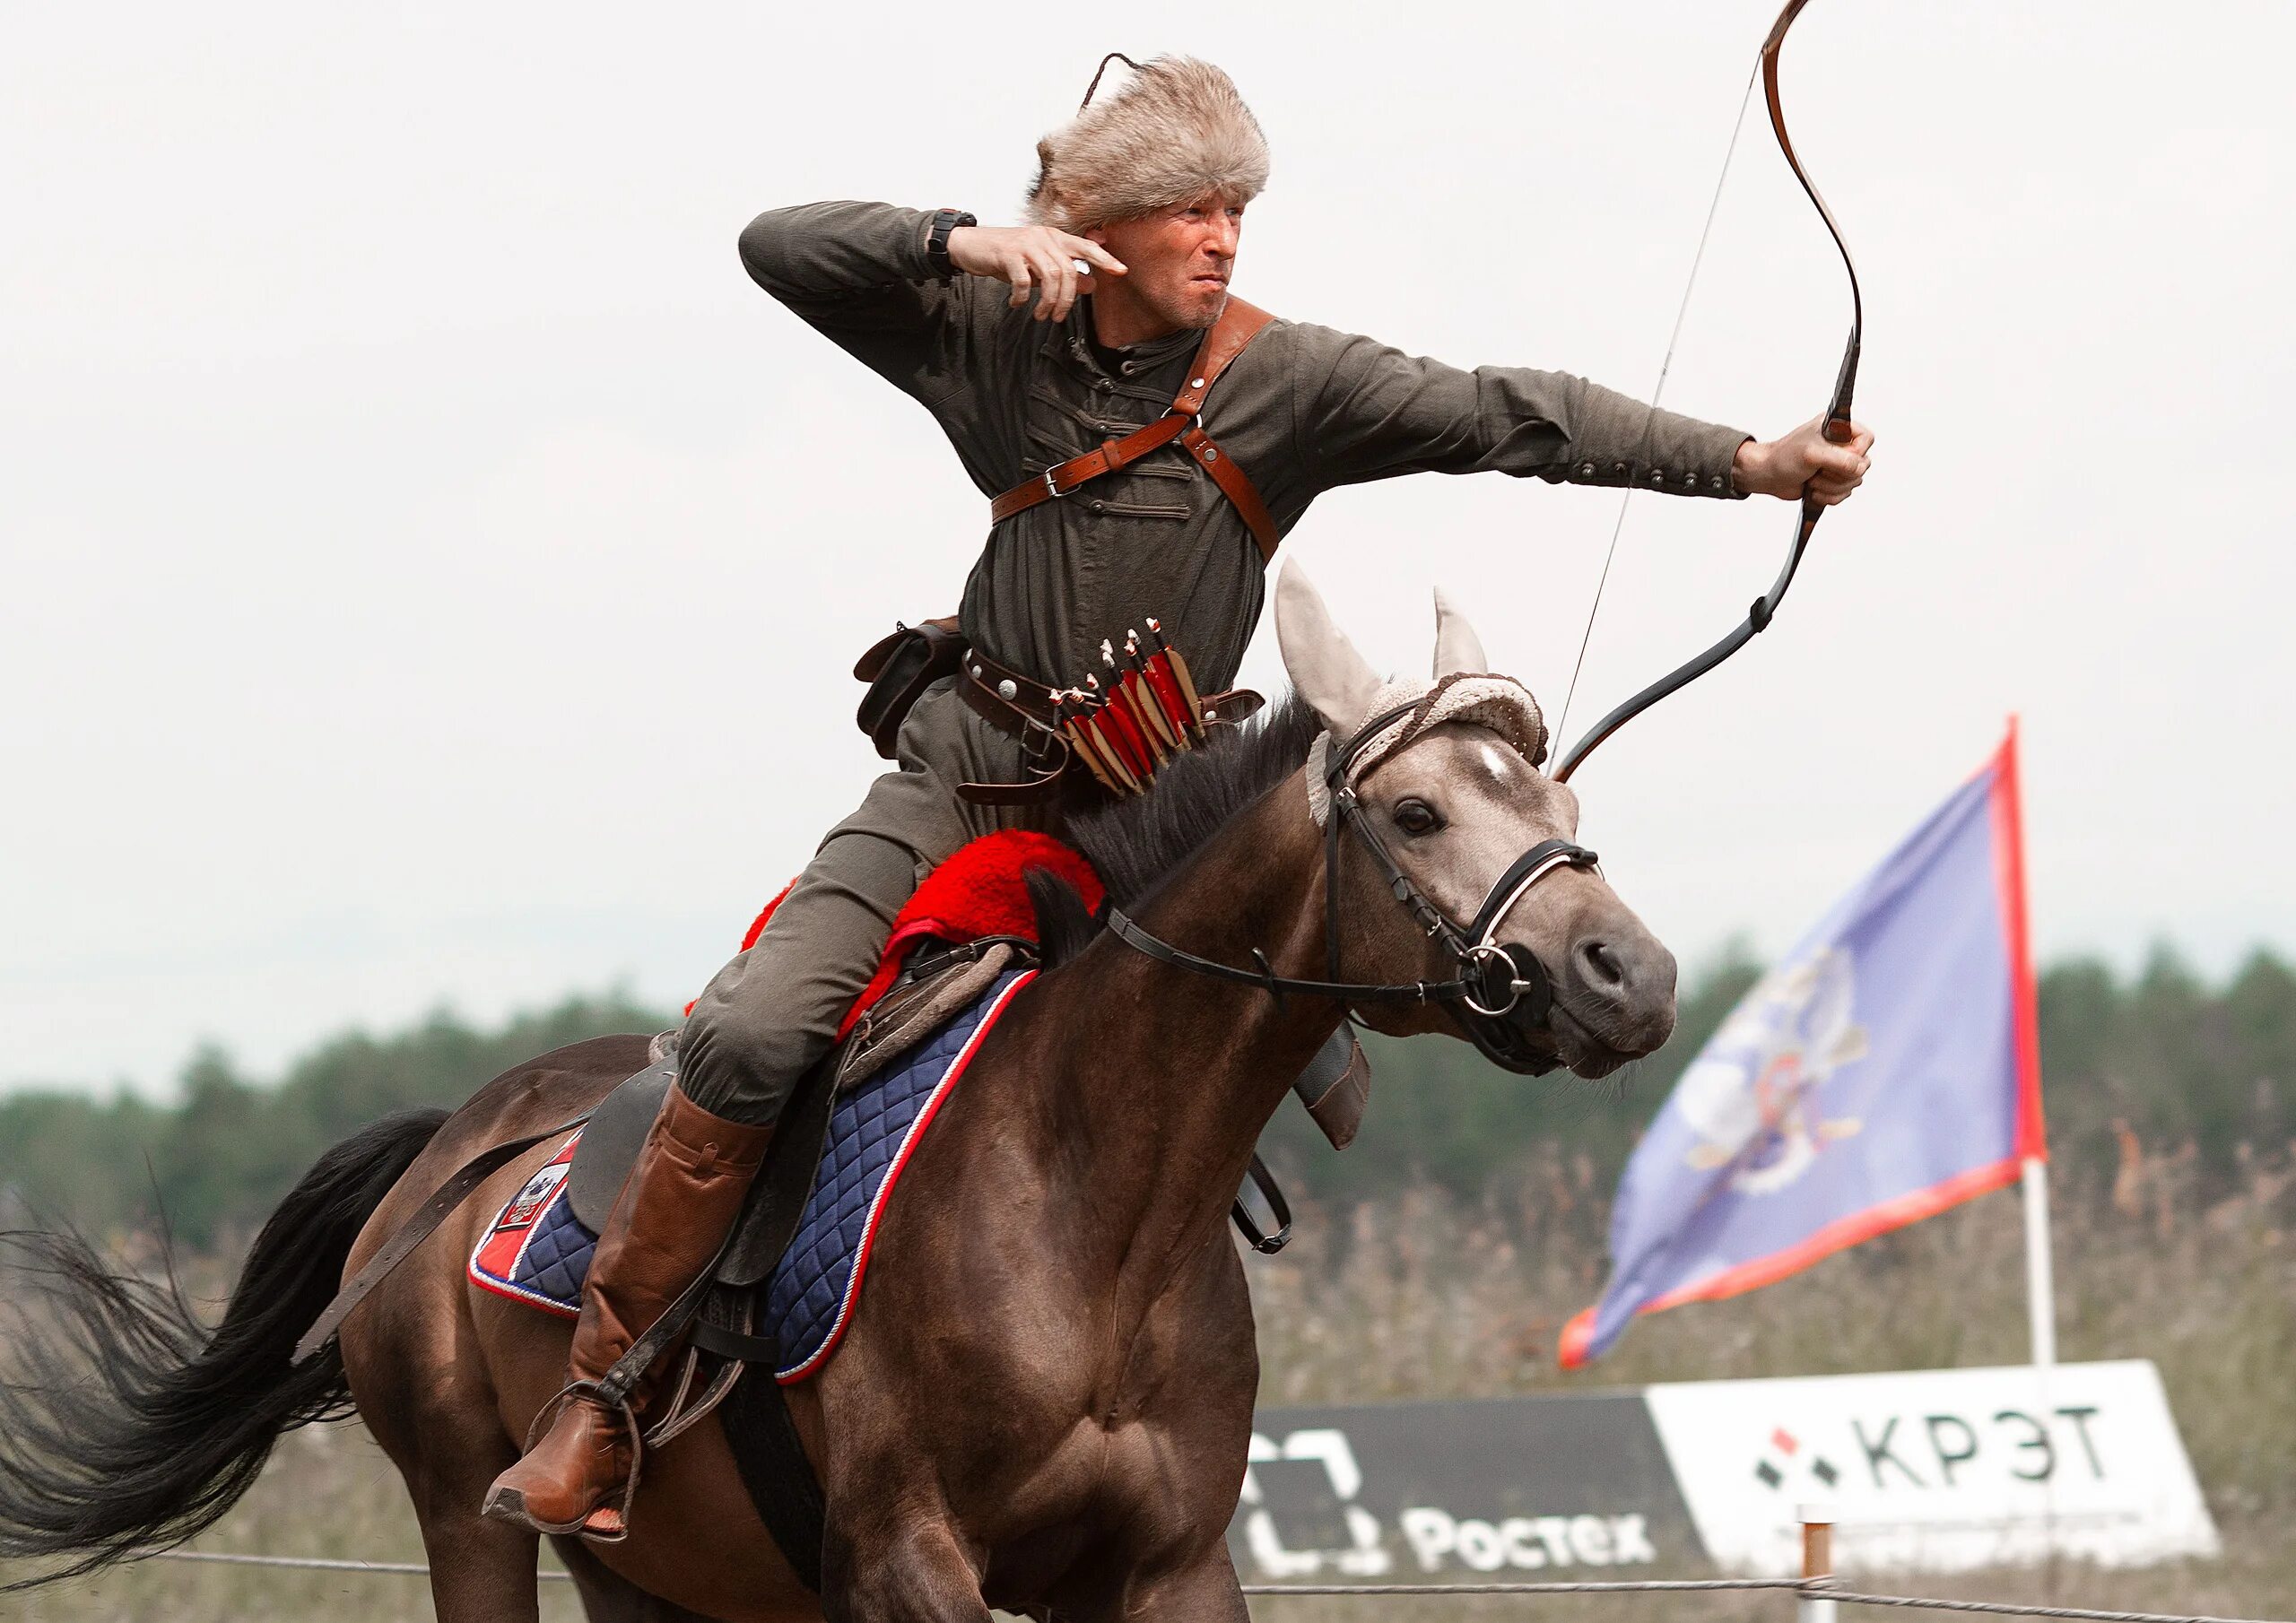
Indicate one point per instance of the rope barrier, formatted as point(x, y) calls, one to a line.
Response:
point(1810, 1588)
point(1622, 1587)
point(2001, 1608)
point(403, 1569)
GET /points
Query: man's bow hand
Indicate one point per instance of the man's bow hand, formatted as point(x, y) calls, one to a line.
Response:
point(1805, 462)
point(1032, 258)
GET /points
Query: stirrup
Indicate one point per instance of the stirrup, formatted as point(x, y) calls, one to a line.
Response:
point(589, 1392)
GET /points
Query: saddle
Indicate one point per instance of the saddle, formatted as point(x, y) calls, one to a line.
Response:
point(929, 1005)
point(933, 991)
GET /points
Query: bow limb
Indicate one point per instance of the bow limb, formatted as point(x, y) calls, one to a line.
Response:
point(1838, 429)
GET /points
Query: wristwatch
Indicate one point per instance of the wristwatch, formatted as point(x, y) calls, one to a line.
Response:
point(936, 241)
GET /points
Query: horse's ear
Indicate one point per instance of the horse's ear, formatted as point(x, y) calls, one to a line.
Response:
point(1338, 682)
point(1456, 647)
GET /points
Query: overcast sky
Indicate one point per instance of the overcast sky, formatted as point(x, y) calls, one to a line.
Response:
point(431, 567)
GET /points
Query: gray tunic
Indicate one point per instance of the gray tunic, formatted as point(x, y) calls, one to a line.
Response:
point(1302, 411)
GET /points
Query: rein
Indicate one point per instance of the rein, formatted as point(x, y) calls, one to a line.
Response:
point(1492, 981)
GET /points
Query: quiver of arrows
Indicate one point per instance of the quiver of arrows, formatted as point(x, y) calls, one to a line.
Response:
point(1125, 720)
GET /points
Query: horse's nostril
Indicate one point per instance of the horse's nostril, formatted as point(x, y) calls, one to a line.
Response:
point(1604, 968)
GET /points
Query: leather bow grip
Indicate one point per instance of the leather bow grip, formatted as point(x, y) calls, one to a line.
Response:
point(1839, 430)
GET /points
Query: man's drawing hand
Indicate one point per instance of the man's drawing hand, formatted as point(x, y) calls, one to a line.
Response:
point(1032, 258)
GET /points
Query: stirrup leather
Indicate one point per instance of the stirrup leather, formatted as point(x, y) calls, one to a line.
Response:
point(678, 1415)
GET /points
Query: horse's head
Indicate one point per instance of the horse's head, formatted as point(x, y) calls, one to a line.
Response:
point(1457, 856)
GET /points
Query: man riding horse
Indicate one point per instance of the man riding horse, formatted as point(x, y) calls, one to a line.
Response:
point(1147, 440)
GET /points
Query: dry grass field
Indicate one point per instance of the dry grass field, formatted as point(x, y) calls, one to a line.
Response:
point(1422, 1298)
point(328, 1492)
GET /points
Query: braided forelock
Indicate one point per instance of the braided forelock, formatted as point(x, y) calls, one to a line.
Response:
point(1499, 703)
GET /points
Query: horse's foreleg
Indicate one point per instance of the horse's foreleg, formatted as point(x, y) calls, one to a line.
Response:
point(1202, 1589)
point(481, 1571)
point(900, 1572)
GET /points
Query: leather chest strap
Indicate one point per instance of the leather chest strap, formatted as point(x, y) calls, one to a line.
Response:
point(1237, 487)
point(1063, 477)
point(1240, 323)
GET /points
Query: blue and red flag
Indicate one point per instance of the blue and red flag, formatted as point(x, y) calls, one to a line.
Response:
point(1888, 1067)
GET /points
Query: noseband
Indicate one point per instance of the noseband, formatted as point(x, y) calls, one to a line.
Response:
point(1493, 983)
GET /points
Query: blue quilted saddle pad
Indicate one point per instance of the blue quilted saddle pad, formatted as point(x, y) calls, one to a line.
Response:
point(537, 1252)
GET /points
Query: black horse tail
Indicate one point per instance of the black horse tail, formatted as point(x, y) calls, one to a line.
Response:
point(128, 1425)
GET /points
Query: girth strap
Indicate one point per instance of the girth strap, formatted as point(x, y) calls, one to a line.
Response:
point(1266, 1242)
point(1238, 324)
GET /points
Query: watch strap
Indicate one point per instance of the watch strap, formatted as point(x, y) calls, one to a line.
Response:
point(936, 241)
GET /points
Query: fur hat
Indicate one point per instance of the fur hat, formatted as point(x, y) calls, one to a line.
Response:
point(1178, 132)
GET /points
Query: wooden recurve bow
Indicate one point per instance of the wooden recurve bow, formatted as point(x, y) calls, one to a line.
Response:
point(1837, 430)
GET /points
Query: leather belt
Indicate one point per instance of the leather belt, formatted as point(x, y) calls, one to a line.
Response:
point(1020, 708)
point(988, 683)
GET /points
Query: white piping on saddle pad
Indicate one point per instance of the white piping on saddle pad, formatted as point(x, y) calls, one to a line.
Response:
point(1499, 703)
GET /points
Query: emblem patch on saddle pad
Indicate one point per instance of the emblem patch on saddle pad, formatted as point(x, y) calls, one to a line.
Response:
point(537, 1252)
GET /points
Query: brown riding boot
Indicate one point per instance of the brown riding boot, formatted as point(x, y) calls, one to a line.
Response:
point(687, 1187)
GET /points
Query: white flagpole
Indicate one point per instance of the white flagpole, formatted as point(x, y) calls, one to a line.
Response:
point(2040, 1288)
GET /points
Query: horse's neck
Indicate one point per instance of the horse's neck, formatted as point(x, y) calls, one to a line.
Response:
point(1179, 1071)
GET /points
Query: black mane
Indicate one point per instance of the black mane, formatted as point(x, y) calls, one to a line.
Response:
point(1135, 845)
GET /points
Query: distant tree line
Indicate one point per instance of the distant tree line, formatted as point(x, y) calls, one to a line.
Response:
point(2161, 1063)
point(211, 1167)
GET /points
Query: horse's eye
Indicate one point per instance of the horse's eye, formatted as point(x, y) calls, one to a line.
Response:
point(1417, 817)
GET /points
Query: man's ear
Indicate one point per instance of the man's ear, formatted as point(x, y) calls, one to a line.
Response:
point(1338, 682)
point(1456, 647)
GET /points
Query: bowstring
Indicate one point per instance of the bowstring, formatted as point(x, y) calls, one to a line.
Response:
point(1658, 393)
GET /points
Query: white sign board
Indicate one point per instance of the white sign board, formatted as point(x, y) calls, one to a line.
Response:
point(1936, 1470)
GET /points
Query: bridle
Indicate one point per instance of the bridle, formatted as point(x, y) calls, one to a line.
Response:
point(1495, 983)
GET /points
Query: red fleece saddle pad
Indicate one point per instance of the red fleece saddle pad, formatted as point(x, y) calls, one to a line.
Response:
point(980, 890)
